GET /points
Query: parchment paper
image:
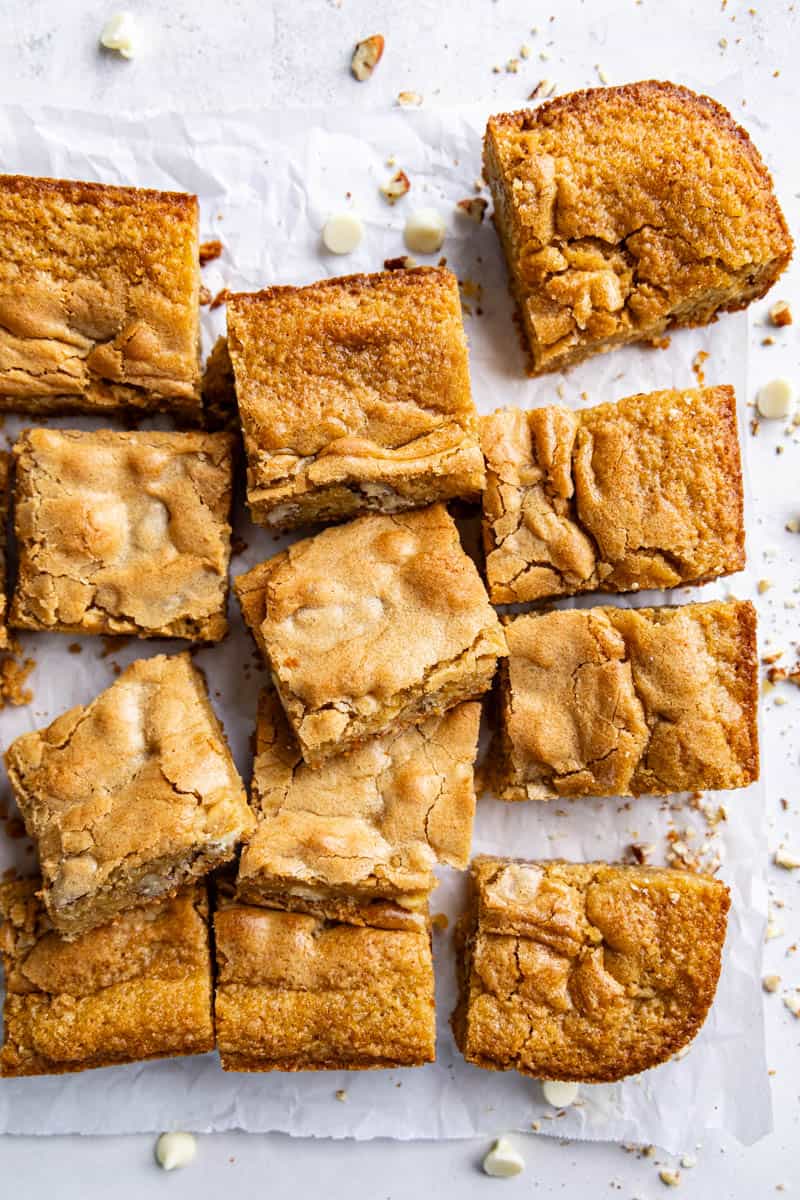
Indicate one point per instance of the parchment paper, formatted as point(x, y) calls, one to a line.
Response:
point(267, 182)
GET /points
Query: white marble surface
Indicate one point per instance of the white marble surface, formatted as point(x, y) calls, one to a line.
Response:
point(199, 55)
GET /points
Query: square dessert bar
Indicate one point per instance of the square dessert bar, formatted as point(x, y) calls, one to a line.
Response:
point(296, 993)
point(376, 624)
point(99, 299)
point(130, 796)
point(138, 988)
point(644, 493)
point(123, 533)
point(359, 836)
point(354, 395)
point(624, 701)
point(5, 497)
point(625, 211)
point(585, 971)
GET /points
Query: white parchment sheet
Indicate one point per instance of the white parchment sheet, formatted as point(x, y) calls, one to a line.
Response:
point(267, 181)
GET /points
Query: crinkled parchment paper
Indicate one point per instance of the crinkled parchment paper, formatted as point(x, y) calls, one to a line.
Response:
point(267, 181)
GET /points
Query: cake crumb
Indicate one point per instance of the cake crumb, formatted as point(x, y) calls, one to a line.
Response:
point(771, 983)
point(13, 674)
point(780, 314)
point(210, 250)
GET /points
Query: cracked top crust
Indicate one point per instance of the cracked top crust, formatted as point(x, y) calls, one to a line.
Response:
point(626, 210)
point(101, 999)
point(123, 533)
point(129, 795)
point(99, 298)
point(5, 482)
point(642, 493)
point(352, 382)
point(359, 618)
point(295, 992)
point(373, 822)
point(621, 702)
point(586, 971)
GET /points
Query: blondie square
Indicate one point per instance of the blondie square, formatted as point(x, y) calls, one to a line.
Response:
point(376, 624)
point(625, 211)
point(354, 395)
point(644, 493)
point(296, 993)
point(585, 971)
point(620, 702)
point(130, 796)
point(99, 299)
point(5, 482)
point(123, 533)
point(359, 836)
point(138, 988)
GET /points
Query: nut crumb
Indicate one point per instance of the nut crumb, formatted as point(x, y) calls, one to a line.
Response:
point(341, 1094)
point(204, 296)
point(780, 314)
point(669, 1177)
point(399, 185)
point(473, 207)
point(366, 56)
point(771, 983)
point(403, 263)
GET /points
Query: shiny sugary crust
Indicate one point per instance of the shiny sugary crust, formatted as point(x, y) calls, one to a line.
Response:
point(99, 290)
point(372, 625)
point(130, 796)
point(621, 702)
point(364, 827)
point(644, 493)
point(139, 988)
point(5, 485)
point(626, 211)
point(586, 972)
point(123, 533)
point(295, 993)
point(354, 396)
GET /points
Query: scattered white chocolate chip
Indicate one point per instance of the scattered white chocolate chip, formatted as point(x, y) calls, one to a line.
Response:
point(669, 1177)
point(366, 56)
point(342, 233)
point(558, 1094)
point(771, 983)
point(399, 185)
point(119, 33)
point(503, 1160)
point(174, 1150)
point(425, 231)
point(688, 1161)
point(786, 859)
point(775, 400)
point(792, 1002)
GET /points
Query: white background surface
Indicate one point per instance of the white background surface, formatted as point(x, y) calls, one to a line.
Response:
point(219, 55)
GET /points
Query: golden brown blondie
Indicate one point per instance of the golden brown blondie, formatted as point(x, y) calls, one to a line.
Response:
point(359, 836)
point(5, 498)
point(585, 971)
point(354, 395)
point(123, 533)
point(372, 625)
point(136, 989)
point(99, 298)
point(130, 796)
point(625, 701)
point(295, 993)
point(644, 493)
point(626, 211)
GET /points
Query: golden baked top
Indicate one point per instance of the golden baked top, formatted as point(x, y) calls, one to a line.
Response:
point(587, 971)
point(98, 296)
point(624, 701)
point(126, 794)
point(625, 209)
point(375, 821)
point(642, 493)
point(123, 532)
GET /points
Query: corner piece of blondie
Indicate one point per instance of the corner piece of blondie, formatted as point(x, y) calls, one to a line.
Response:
point(130, 796)
point(136, 989)
point(296, 993)
point(642, 493)
point(99, 299)
point(354, 396)
point(626, 701)
point(625, 211)
point(585, 971)
point(372, 625)
point(357, 838)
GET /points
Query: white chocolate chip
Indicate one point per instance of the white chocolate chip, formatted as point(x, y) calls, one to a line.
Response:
point(688, 1161)
point(342, 233)
point(119, 33)
point(503, 1160)
point(425, 231)
point(558, 1094)
point(174, 1150)
point(792, 1002)
point(775, 401)
point(669, 1177)
point(786, 859)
